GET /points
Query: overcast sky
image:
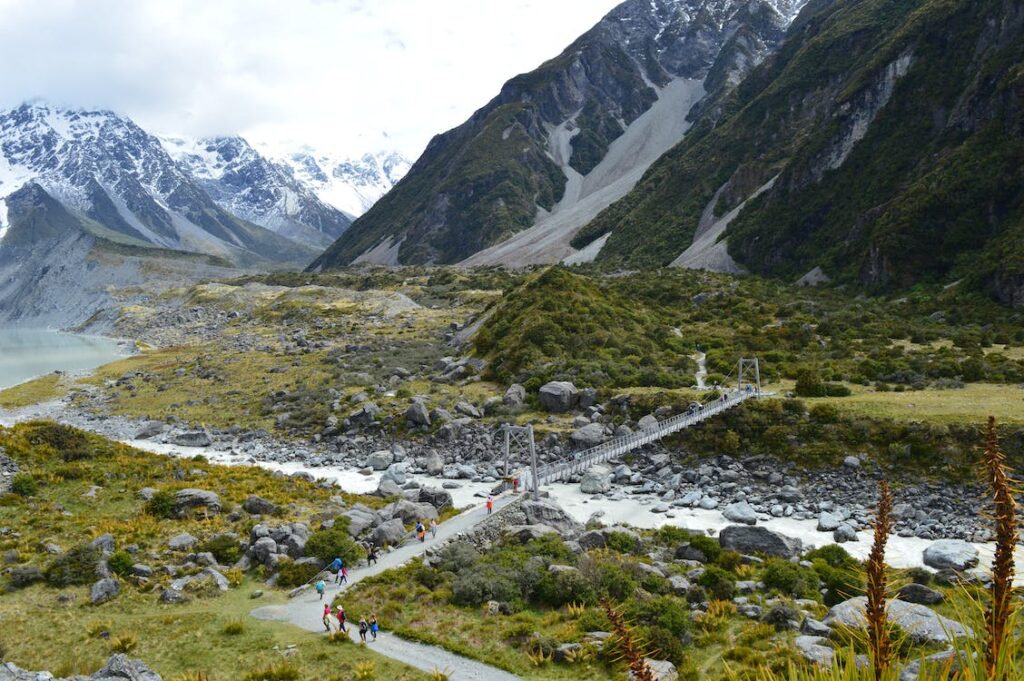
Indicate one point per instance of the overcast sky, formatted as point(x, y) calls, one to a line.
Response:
point(338, 74)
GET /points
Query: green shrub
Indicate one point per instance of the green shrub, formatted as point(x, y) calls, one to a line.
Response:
point(24, 485)
point(920, 575)
point(70, 443)
point(120, 563)
point(709, 546)
point(833, 554)
point(224, 548)
point(729, 560)
point(809, 384)
point(291, 574)
point(593, 619)
point(556, 589)
point(789, 578)
point(282, 671)
point(75, 567)
point(335, 542)
point(161, 504)
point(622, 542)
point(721, 585)
point(667, 612)
point(669, 646)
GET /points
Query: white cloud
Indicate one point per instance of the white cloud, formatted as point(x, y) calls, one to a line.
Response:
point(334, 73)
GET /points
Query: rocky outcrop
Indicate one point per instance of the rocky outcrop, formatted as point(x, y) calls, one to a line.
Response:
point(558, 396)
point(950, 554)
point(759, 540)
point(922, 624)
point(188, 500)
point(597, 480)
point(118, 668)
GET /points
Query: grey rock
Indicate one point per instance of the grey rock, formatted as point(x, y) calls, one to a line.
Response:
point(589, 435)
point(104, 590)
point(360, 519)
point(547, 512)
point(828, 522)
point(525, 533)
point(919, 593)
point(192, 438)
point(844, 533)
point(558, 396)
point(380, 459)
point(172, 596)
point(952, 554)
point(813, 627)
point(815, 649)
point(185, 500)
point(104, 542)
point(417, 414)
point(514, 396)
point(661, 670)
point(257, 505)
point(438, 498)
point(758, 540)
point(921, 623)
point(389, 533)
point(740, 512)
point(182, 542)
point(467, 409)
point(433, 464)
point(597, 480)
point(150, 429)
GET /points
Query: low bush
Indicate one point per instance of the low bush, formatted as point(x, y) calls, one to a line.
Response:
point(789, 578)
point(720, 584)
point(24, 485)
point(21, 576)
point(75, 567)
point(69, 443)
point(224, 548)
point(120, 563)
point(161, 504)
point(335, 542)
point(291, 574)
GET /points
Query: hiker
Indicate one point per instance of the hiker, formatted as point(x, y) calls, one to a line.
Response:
point(515, 485)
point(343, 575)
point(320, 586)
point(341, 618)
point(433, 528)
point(374, 627)
point(327, 617)
point(490, 504)
point(371, 556)
point(337, 565)
point(421, 531)
point(363, 628)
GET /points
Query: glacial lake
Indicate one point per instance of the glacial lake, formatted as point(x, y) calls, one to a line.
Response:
point(27, 353)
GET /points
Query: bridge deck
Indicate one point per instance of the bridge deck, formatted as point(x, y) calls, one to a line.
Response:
point(606, 451)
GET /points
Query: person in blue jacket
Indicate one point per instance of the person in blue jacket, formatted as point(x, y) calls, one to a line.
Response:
point(335, 567)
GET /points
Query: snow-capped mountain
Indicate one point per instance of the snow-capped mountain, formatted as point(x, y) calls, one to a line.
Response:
point(350, 185)
point(116, 178)
point(245, 183)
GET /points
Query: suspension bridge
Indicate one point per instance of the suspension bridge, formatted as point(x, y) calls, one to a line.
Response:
point(748, 388)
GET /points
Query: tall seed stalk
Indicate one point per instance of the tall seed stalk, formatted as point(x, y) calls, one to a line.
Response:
point(631, 651)
point(1001, 608)
point(878, 630)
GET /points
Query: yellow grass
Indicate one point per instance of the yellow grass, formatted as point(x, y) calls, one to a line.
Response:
point(38, 390)
point(972, 404)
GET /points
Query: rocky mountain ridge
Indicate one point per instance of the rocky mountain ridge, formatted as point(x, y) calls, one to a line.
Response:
point(536, 150)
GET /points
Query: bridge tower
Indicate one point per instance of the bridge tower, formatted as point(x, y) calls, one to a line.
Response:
point(749, 374)
point(522, 438)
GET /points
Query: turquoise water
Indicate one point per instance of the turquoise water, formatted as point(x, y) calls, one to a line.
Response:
point(26, 353)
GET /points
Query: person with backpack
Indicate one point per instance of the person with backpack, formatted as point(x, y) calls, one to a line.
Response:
point(336, 565)
point(327, 617)
point(341, 618)
point(343, 575)
point(320, 586)
point(374, 627)
point(371, 555)
point(421, 532)
point(363, 628)
point(433, 528)
point(490, 504)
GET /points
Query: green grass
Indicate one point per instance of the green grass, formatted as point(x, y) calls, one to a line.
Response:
point(971, 404)
point(197, 636)
point(37, 390)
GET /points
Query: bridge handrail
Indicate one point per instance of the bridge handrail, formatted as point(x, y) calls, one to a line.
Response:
point(620, 445)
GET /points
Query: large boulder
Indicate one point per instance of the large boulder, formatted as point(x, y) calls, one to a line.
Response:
point(547, 512)
point(390, 533)
point(919, 593)
point(525, 533)
point(360, 519)
point(919, 622)
point(589, 435)
point(409, 512)
point(740, 512)
point(597, 480)
point(558, 396)
point(661, 670)
point(192, 438)
point(758, 540)
point(648, 423)
point(514, 396)
point(815, 649)
point(438, 498)
point(951, 554)
point(150, 429)
point(433, 464)
point(118, 668)
point(397, 472)
point(417, 414)
point(104, 590)
point(380, 459)
point(186, 500)
point(388, 488)
point(257, 505)
point(181, 542)
point(828, 522)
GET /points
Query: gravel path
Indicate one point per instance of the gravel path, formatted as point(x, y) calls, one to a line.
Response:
point(306, 609)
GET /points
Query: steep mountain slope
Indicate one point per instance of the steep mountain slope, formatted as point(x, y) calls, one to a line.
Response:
point(543, 152)
point(351, 185)
point(104, 168)
point(882, 145)
point(256, 189)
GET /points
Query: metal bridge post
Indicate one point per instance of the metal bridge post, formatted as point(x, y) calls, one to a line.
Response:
point(533, 463)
